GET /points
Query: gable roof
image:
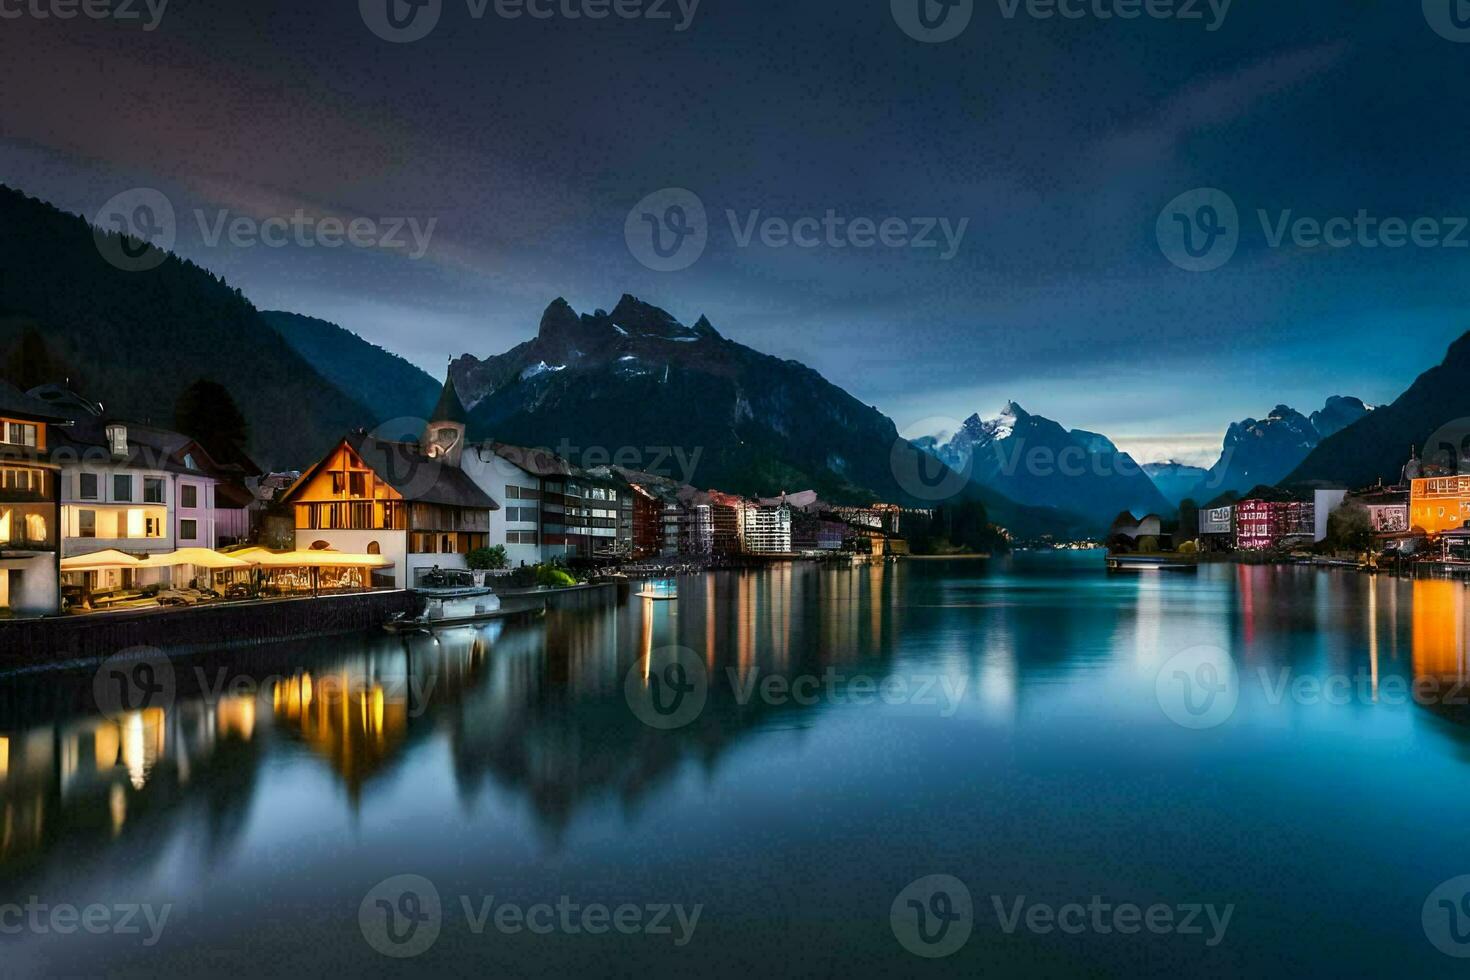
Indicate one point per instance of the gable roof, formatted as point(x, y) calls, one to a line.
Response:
point(415, 476)
point(17, 404)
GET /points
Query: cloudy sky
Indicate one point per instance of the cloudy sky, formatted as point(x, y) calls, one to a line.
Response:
point(1044, 158)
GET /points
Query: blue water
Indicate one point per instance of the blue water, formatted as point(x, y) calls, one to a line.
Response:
point(1032, 752)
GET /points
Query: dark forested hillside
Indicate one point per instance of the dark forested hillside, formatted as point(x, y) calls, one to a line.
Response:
point(135, 340)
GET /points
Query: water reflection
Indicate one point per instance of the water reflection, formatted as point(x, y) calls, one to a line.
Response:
point(536, 710)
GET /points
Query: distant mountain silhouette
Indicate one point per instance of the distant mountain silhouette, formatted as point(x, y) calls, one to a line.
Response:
point(1377, 446)
point(135, 340)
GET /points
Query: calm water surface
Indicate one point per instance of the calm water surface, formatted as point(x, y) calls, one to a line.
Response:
point(1027, 753)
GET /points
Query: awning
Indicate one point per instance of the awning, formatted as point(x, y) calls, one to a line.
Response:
point(317, 558)
point(198, 557)
point(99, 560)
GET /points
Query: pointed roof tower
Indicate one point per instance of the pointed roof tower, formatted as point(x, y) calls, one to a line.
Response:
point(450, 408)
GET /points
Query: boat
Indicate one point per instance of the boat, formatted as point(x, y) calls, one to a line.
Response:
point(463, 606)
point(660, 590)
point(1152, 563)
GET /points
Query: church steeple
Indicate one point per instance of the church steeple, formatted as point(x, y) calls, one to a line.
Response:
point(444, 435)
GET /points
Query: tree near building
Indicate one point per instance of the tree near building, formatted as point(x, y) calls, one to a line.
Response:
point(1350, 528)
point(207, 413)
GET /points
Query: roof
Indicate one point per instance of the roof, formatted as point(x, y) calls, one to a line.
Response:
point(539, 462)
point(15, 403)
point(417, 477)
point(149, 447)
point(450, 408)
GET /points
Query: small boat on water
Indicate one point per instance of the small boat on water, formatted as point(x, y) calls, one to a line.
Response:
point(1158, 562)
point(462, 606)
point(660, 590)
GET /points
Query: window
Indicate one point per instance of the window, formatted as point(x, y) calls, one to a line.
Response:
point(87, 486)
point(21, 434)
point(190, 462)
point(189, 530)
point(512, 493)
point(153, 490)
point(152, 527)
point(189, 496)
point(339, 483)
point(374, 548)
point(359, 484)
point(122, 487)
point(86, 523)
point(117, 439)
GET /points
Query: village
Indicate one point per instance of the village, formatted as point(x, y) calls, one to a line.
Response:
point(102, 514)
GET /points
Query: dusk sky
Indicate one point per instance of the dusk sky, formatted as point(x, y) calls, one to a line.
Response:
point(1056, 142)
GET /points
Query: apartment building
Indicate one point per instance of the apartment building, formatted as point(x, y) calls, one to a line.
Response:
point(30, 507)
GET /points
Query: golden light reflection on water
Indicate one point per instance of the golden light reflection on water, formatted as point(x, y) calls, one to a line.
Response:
point(1439, 629)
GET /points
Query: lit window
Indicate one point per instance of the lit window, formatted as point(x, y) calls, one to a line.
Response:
point(86, 523)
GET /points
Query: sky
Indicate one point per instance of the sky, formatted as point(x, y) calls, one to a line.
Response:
point(1097, 217)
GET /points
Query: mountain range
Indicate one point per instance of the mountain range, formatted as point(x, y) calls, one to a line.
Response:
point(1175, 480)
point(1261, 452)
point(638, 388)
point(1377, 446)
point(1032, 458)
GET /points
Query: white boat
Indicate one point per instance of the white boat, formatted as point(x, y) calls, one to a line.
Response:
point(662, 590)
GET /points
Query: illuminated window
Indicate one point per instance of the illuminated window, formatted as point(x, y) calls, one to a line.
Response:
point(20, 434)
point(86, 523)
point(35, 527)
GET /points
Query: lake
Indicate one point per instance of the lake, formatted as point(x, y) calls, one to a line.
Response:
point(1019, 766)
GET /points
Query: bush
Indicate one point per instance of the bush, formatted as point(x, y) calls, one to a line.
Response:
point(553, 577)
point(1189, 548)
point(1148, 545)
point(488, 559)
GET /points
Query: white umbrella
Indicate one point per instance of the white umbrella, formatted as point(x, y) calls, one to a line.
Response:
point(99, 560)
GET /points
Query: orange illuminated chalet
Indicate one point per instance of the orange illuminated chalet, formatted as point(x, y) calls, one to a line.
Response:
point(376, 496)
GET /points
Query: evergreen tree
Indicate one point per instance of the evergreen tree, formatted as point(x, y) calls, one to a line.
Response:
point(208, 414)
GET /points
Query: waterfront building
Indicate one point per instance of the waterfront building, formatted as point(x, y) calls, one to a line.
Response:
point(30, 507)
point(728, 515)
point(648, 526)
point(1217, 527)
point(769, 530)
point(1439, 504)
point(1265, 524)
point(413, 506)
point(137, 488)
